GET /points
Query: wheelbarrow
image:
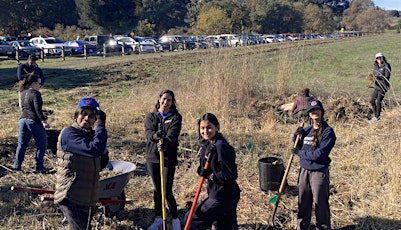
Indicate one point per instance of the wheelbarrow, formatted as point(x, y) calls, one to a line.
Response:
point(111, 189)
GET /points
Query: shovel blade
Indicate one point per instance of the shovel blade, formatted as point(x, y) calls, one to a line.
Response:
point(273, 199)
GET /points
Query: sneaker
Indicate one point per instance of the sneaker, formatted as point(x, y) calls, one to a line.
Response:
point(374, 119)
point(176, 224)
point(157, 224)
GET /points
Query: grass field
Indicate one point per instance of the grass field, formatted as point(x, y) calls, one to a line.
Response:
point(245, 88)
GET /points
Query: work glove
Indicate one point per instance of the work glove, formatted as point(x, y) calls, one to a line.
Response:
point(295, 151)
point(101, 117)
point(205, 173)
point(161, 147)
point(299, 131)
point(158, 135)
point(211, 149)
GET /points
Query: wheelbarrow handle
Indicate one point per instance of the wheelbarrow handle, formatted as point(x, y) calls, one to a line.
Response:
point(32, 190)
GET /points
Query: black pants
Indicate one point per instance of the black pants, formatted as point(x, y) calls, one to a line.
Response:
point(169, 171)
point(78, 216)
point(376, 101)
point(224, 212)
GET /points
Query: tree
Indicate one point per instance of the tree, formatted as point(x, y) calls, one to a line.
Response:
point(318, 20)
point(212, 21)
point(362, 15)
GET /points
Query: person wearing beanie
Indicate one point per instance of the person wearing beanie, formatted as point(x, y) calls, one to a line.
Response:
point(314, 146)
point(81, 155)
point(24, 70)
point(300, 105)
point(382, 73)
point(163, 123)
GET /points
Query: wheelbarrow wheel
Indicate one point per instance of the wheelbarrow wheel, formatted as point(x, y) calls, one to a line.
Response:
point(112, 210)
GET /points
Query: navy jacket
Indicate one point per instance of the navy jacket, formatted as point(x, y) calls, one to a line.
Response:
point(223, 183)
point(316, 159)
point(172, 129)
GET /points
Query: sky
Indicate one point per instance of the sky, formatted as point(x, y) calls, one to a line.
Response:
point(388, 4)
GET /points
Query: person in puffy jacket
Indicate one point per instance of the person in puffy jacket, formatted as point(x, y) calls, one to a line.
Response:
point(222, 188)
point(163, 123)
point(314, 146)
point(81, 155)
point(382, 73)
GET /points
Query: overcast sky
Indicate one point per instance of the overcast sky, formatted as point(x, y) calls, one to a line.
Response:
point(388, 4)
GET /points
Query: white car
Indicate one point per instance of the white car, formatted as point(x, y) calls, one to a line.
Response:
point(129, 41)
point(51, 46)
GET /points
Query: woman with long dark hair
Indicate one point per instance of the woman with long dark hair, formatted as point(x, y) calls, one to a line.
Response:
point(316, 142)
point(164, 122)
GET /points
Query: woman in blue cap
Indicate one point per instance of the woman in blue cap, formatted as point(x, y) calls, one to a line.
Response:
point(81, 154)
point(316, 142)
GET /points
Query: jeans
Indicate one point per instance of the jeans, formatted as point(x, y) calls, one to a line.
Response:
point(27, 129)
point(78, 216)
point(376, 101)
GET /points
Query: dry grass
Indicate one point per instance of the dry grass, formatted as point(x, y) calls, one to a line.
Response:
point(365, 171)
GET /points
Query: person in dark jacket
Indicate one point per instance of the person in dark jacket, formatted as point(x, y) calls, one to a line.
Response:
point(222, 188)
point(314, 147)
point(164, 123)
point(300, 105)
point(24, 70)
point(32, 123)
point(81, 155)
point(382, 73)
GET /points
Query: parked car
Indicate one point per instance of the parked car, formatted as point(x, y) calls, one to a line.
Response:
point(171, 43)
point(153, 41)
point(7, 49)
point(147, 45)
point(25, 48)
point(97, 40)
point(78, 47)
point(112, 47)
point(131, 42)
point(51, 46)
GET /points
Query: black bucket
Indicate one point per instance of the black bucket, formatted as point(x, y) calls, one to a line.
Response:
point(52, 138)
point(271, 172)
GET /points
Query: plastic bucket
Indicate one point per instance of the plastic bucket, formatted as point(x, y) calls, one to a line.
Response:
point(271, 172)
point(52, 138)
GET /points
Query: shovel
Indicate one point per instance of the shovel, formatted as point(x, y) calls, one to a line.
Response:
point(163, 189)
point(202, 179)
point(275, 199)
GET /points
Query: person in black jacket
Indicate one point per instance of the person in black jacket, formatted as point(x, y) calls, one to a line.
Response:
point(163, 123)
point(222, 188)
point(32, 123)
point(24, 70)
point(382, 73)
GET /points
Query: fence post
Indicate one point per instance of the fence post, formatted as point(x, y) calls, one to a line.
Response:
point(17, 54)
point(63, 53)
point(104, 50)
point(42, 54)
point(85, 54)
point(122, 49)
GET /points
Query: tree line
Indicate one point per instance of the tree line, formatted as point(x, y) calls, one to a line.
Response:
point(196, 17)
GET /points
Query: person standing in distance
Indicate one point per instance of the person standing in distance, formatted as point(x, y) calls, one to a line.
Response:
point(315, 144)
point(81, 155)
point(382, 73)
point(32, 123)
point(164, 122)
point(222, 188)
point(27, 68)
point(300, 105)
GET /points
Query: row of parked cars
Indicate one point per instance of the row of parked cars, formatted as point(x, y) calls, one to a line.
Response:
point(98, 44)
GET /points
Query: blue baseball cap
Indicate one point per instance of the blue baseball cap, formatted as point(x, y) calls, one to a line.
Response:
point(89, 102)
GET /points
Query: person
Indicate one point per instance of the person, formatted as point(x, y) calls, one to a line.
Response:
point(316, 142)
point(382, 73)
point(164, 123)
point(24, 70)
point(32, 123)
point(300, 104)
point(81, 155)
point(222, 188)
